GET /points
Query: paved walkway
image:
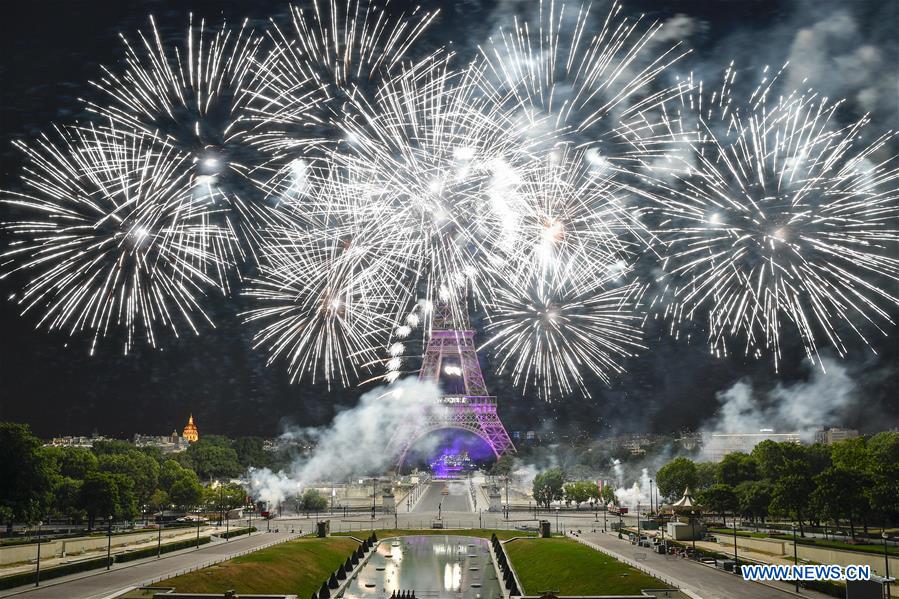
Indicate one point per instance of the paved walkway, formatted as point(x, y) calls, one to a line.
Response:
point(106, 584)
point(184, 534)
point(692, 577)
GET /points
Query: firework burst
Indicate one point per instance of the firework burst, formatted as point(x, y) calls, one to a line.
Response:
point(194, 94)
point(781, 221)
point(549, 332)
point(596, 91)
point(329, 56)
point(113, 234)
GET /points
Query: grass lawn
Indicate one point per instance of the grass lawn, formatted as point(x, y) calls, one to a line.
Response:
point(296, 567)
point(407, 532)
point(566, 566)
point(814, 542)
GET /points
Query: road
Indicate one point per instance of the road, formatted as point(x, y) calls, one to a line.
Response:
point(700, 580)
point(102, 584)
point(458, 499)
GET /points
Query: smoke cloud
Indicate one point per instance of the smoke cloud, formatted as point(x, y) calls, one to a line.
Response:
point(823, 399)
point(356, 442)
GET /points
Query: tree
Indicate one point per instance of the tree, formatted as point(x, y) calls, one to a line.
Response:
point(111, 447)
point(675, 476)
point(503, 466)
point(168, 473)
point(139, 467)
point(736, 468)
point(313, 501)
point(608, 494)
point(66, 494)
point(211, 459)
point(99, 497)
point(185, 490)
point(790, 497)
point(225, 496)
point(547, 486)
point(579, 492)
point(753, 498)
point(71, 462)
point(251, 452)
point(706, 476)
point(720, 499)
point(25, 475)
point(840, 493)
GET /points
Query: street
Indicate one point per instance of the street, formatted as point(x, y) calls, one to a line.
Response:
point(457, 499)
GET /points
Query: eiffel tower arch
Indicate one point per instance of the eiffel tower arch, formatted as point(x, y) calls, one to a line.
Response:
point(450, 359)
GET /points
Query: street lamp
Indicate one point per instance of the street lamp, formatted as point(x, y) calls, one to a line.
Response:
point(736, 560)
point(198, 528)
point(557, 518)
point(604, 512)
point(108, 542)
point(638, 523)
point(37, 572)
point(795, 556)
point(886, 559)
point(650, 496)
point(693, 530)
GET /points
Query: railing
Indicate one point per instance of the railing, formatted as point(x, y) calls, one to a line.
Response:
point(467, 400)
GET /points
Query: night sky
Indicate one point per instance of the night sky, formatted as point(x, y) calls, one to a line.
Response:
point(50, 49)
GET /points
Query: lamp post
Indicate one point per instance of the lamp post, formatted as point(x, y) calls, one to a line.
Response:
point(221, 503)
point(650, 496)
point(108, 542)
point(638, 524)
point(480, 523)
point(795, 556)
point(37, 571)
point(693, 530)
point(198, 528)
point(605, 511)
point(557, 518)
point(886, 560)
point(374, 493)
point(159, 533)
point(736, 560)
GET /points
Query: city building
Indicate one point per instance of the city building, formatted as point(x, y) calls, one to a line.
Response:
point(190, 431)
point(829, 435)
point(167, 443)
point(717, 445)
point(76, 441)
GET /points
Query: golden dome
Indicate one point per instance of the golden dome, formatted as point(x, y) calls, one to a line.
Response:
point(190, 431)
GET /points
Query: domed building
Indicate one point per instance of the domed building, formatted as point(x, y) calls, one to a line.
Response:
point(190, 431)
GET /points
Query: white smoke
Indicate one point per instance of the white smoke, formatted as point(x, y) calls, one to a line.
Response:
point(356, 441)
point(636, 494)
point(803, 407)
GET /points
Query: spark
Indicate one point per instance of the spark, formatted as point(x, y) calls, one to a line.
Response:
point(782, 222)
point(111, 236)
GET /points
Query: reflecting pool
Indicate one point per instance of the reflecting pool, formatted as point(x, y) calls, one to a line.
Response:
point(432, 566)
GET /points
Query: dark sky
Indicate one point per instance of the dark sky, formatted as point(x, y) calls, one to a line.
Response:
point(51, 48)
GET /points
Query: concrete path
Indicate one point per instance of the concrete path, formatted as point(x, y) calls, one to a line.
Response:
point(106, 584)
point(691, 577)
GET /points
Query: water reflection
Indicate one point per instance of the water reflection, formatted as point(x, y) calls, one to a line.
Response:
point(432, 566)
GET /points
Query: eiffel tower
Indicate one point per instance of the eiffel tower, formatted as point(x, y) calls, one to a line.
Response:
point(451, 360)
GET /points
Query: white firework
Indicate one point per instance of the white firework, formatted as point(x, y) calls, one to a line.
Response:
point(113, 235)
point(782, 221)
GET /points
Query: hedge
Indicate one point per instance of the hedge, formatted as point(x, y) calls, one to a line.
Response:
point(151, 551)
point(23, 578)
point(236, 532)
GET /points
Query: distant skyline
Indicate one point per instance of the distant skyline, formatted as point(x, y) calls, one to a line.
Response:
point(49, 51)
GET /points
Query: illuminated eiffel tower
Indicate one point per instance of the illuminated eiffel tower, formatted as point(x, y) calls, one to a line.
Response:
point(451, 360)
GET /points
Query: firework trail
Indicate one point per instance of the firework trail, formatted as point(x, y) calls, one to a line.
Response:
point(592, 90)
point(194, 94)
point(549, 332)
point(329, 56)
point(112, 234)
point(781, 221)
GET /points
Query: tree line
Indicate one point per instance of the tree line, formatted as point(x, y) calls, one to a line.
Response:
point(854, 481)
point(118, 479)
